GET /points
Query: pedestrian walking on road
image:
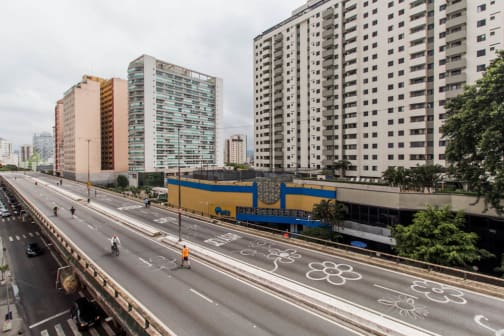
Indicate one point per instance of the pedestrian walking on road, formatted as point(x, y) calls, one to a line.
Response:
point(185, 257)
point(72, 211)
point(55, 210)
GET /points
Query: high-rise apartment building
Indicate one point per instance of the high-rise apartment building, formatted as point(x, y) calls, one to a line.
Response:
point(172, 109)
point(5, 150)
point(58, 138)
point(114, 125)
point(235, 149)
point(43, 144)
point(367, 81)
point(25, 152)
point(92, 117)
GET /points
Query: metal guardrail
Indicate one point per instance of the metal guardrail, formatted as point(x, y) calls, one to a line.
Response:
point(149, 323)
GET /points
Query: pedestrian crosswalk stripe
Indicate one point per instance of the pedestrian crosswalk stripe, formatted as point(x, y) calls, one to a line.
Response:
point(38, 234)
point(72, 326)
point(18, 238)
point(59, 330)
point(31, 234)
point(24, 236)
point(108, 329)
point(93, 332)
point(11, 239)
point(44, 333)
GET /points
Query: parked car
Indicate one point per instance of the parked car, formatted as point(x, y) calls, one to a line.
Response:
point(85, 313)
point(33, 250)
point(6, 213)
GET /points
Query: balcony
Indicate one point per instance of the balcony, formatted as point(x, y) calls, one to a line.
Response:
point(328, 102)
point(328, 43)
point(456, 50)
point(327, 33)
point(328, 13)
point(456, 7)
point(457, 64)
point(328, 63)
point(456, 21)
point(328, 53)
point(328, 73)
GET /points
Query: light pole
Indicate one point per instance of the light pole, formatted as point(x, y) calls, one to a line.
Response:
point(88, 173)
point(179, 186)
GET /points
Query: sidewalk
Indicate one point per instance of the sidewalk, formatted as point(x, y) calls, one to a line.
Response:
point(8, 308)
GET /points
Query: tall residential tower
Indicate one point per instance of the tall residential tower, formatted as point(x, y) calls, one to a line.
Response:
point(172, 109)
point(235, 149)
point(367, 81)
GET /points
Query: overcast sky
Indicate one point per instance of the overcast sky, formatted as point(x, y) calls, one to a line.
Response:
point(46, 47)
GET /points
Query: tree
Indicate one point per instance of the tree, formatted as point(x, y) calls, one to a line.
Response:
point(436, 236)
point(425, 176)
point(475, 133)
point(122, 181)
point(330, 213)
point(342, 166)
point(397, 177)
point(500, 268)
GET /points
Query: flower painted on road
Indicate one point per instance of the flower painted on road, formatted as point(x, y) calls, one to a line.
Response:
point(335, 274)
point(248, 252)
point(438, 293)
point(406, 307)
point(287, 256)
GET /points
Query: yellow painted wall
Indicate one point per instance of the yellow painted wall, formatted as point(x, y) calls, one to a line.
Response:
point(204, 202)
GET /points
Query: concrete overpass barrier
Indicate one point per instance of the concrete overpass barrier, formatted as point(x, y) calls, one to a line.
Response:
point(149, 323)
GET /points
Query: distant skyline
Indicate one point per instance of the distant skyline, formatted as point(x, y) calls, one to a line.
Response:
point(46, 49)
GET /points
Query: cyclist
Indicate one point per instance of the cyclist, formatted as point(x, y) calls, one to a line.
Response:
point(115, 242)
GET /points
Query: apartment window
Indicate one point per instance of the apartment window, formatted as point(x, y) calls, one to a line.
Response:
point(481, 8)
point(400, 157)
point(481, 23)
point(480, 67)
point(481, 52)
point(401, 24)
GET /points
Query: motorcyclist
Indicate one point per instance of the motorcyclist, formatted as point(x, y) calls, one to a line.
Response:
point(55, 210)
point(115, 242)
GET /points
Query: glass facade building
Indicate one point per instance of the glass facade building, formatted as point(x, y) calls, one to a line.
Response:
point(172, 109)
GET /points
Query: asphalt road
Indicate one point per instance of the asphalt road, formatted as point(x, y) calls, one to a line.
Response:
point(429, 306)
point(200, 301)
point(44, 308)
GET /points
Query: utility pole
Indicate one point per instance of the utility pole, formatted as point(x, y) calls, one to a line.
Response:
point(179, 186)
point(88, 173)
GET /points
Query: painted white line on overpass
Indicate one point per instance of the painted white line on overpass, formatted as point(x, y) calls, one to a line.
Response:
point(93, 332)
point(201, 295)
point(91, 227)
point(49, 319)
point(59, 330)
point(145, 262)
point(73, 327)
point(359, 314)
point(395, 291)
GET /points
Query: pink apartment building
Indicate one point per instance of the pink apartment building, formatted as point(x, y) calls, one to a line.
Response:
point(94, 125)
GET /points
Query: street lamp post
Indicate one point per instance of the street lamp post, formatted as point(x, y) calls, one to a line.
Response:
point(88, 172)
point(179, 186)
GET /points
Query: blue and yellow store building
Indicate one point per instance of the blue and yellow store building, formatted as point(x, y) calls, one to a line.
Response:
point(284, 205)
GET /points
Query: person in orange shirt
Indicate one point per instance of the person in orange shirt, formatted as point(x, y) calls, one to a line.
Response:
point(185, 257)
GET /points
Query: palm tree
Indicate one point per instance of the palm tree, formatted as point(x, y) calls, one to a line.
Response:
point(342, 166)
